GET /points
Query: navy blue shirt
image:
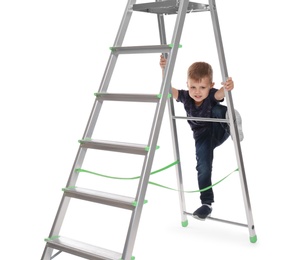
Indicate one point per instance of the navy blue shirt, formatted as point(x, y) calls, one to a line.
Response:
point(204, 110)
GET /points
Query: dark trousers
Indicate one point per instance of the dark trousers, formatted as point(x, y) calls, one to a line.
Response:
point(205, 143)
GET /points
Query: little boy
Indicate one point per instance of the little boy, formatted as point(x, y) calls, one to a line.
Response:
point(202, 100)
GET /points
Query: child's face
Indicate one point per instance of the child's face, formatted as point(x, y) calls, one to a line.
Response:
point(199, 90)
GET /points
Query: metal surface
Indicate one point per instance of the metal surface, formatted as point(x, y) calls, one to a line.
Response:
point(165, 89)
point(221, 220)
point(58, 221)
point(141, 49)
point(128, 97)
point(232, 117)
point(115, 146)
point(202, 119)
point(169, 7)
point(174, 134)
point(84, 250)
point(136, 204)
point(106, 198)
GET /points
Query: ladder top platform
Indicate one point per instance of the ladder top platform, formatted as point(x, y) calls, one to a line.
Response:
point(169, 7)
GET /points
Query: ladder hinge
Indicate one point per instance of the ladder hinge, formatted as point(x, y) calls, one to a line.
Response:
point(172, 45)
point(168, 96)
point(148, 148)
point(85, 139)
point(70, 187)
point(51, 238)
point(135, 203)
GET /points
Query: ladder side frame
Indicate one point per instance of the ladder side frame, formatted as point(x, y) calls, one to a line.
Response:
point(174, 133)
point(232, 119)
point(61, 212)
point(156, 126)
point(109, 68)
point(152, 143)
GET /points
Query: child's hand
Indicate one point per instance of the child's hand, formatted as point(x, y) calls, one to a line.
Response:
point(229, 84)
point(162, 62)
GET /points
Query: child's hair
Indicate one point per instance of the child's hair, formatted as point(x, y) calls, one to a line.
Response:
point(199, 70)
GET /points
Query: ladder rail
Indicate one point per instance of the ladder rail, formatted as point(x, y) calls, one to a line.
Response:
point(162, 100)
point(165, 87)
point(109, 68)
point(178, 166)
point(61, 212)
point(64, 203)
point(174, 133)
point(232, 116)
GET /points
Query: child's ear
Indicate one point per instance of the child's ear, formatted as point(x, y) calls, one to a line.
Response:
point(213, 84)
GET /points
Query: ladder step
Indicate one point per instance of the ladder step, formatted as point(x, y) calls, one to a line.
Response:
point(202, 119)
point(169, 7)
point(128, 97)
point(81, 249)
point(142, 49)
point(220, 220)
point(101, 197)
point(115, 146)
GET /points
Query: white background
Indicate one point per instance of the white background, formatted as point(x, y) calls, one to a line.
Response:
point(52, 58)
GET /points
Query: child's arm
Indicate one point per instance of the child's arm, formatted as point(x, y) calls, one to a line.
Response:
point(175, 92)
point(228, 85)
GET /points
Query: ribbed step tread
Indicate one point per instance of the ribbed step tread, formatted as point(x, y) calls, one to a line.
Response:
point(100, 197)
point(128, 97)
point(169, 7)
point(114, 146)
point(142, 49)
point(81, 249)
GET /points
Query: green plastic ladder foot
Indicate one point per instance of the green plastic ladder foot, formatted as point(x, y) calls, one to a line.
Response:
point(185, 223)
point(253, 239)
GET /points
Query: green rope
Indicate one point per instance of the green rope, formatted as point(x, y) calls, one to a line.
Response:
point(193, 191)
point(128, 178)
point(156, 184)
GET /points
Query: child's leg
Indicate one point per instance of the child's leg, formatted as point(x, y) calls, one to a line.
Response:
point(204, 158)
point(221, 131)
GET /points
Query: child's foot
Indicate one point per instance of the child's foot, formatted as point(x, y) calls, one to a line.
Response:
point(203, 212)
point(239, 124)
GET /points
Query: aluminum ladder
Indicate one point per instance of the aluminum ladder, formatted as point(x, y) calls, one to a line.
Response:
point(55, 240)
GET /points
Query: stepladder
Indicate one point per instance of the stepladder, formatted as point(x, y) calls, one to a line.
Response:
point(91, 143)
